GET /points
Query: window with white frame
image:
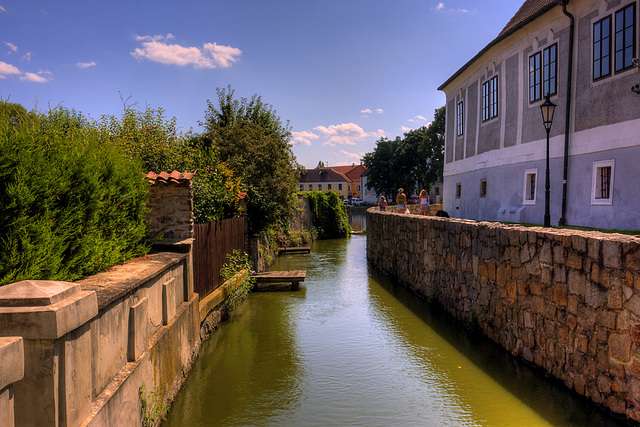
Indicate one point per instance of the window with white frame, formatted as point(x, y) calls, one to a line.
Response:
point(340, 187)
point(310, 187)
point(602, 48)
point(602, 182)
point(530, 186)
point(621, 39)
point(357, 188)
point(625, 37)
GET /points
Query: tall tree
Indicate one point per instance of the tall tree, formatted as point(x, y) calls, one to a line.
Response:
point(251, 138)
point(415, 160)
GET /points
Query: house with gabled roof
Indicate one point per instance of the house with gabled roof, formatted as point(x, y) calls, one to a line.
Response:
point(582, 54)
point(344, 180)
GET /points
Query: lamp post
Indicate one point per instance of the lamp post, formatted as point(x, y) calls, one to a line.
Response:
point(547, 109)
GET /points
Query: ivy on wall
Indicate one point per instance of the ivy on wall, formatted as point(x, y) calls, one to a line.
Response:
point(329, 216)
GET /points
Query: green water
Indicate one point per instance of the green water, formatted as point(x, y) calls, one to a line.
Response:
point(351, 348)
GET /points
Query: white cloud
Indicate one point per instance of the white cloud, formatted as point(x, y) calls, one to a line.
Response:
point(12, 46)
point(39, 77)
point(303, 137)
point(85, 64)
point(7, 69)
point(2, 9)
point(405, 129)
point(353, 156)
point(368, 111)
point(441, 6)
point(342, 134)
point(211, 55)
point(26, 57)
point(418, 119)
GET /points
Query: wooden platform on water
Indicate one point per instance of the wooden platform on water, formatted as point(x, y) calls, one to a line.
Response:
point(296, 250)
point(279, 280)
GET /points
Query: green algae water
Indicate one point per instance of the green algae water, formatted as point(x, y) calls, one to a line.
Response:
point(352, 348)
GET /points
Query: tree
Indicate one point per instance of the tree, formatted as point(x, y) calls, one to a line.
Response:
point(415, 160)
point(250, 137)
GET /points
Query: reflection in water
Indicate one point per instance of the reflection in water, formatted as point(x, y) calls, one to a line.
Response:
point(353, 348)
point(358, 221)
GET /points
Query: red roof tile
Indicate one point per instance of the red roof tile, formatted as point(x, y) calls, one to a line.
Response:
point(174, 177)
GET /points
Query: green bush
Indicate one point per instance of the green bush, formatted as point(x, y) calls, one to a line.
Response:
point(71, 205)
point(329, 216)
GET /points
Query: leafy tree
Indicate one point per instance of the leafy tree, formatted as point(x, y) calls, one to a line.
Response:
point(328, 214)
point(152, 139)
point(416, 159)
point(251, 139)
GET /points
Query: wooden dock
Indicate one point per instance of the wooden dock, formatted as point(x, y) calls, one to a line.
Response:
point(279, 280)
point(296, 250)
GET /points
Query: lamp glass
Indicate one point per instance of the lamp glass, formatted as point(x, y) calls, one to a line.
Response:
point(548, 108)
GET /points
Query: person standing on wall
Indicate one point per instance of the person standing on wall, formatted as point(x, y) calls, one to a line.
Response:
point(424, 202)
point(401, 200)
point(383, 203)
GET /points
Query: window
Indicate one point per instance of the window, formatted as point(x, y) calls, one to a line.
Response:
point(460, 116)
point(602, 48)
point(310, 187)
point(328, 186)
point(357, 188)
point(490, 99)
point(483, 188)
point(458, 190)
point(530, 185)
point(437, 191)
point(543, 68)
point(625, 43)
point(319, 187)
point(340, 187)
point(602, 183)
point(549, 70)
point(301, 187)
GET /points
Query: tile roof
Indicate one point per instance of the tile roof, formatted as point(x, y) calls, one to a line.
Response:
point(352, 172)
point(529, 11)
point(174, 177)
point(323, 175)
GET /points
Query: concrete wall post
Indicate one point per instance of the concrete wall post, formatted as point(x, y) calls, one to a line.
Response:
point(53, 320)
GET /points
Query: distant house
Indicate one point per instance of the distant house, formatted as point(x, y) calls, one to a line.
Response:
point(583, 55)
point(344, 180)
point(323, 179)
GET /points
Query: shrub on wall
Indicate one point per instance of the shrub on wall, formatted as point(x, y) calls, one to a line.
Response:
point(329, 216)
point(71, 205)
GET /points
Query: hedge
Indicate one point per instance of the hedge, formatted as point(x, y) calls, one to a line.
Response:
point(329, 216)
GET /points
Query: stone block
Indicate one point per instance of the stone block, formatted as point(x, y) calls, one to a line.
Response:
point(594, 297)
point(168, 301)
point(606, 319)
point(76, 373)
point(633, 305)
point(620, 346)
point(577, 282)
point(7, 414)
point(614, 298)
point(632, 259)
point(546, 256)
point(560, 295)
point(593, 248)
point(43, 309)
point(558, 254)
point(586, 318)
point(138, 329)
point(611, 254)
point(574, 260)
point(559, 274)
point(579, 244)
point(12, 357)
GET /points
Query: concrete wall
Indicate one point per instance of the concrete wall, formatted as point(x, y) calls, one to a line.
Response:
point(11, 371)
point(566, 301)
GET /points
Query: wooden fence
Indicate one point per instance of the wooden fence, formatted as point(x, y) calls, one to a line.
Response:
point(213, 241)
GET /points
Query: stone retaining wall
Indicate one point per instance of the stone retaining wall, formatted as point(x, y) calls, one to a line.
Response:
point(567, 301)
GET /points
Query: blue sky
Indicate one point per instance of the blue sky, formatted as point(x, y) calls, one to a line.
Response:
point(342, 72)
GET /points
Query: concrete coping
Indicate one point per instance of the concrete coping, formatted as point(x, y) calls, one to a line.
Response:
point(12, 357)
point(121, 280)
point(31, 293)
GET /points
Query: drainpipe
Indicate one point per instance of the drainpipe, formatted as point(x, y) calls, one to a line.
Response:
point(567, 125)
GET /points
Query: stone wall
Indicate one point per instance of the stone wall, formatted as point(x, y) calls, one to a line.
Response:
point(567, 301)
point(171, 205)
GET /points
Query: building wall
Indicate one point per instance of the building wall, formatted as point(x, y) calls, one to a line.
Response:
point(566, 301)
point(604, 122)
point(335, 186)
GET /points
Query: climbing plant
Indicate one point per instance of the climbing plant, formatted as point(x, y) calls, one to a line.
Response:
point(329, 216)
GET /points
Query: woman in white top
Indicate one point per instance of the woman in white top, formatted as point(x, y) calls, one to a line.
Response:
point(424, 202)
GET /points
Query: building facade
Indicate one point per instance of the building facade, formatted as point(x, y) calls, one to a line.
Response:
point(324, 179)
point(583, 55)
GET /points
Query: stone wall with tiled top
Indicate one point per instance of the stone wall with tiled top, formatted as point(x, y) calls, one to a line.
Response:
point(567, 301)
point(171, 209)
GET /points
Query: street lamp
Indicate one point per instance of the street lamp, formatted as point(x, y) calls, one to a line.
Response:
point(547, 109)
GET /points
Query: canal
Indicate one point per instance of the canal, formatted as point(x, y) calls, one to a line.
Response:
point(353, 348)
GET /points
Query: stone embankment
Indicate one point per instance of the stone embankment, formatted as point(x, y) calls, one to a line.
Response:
point(567, 301)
